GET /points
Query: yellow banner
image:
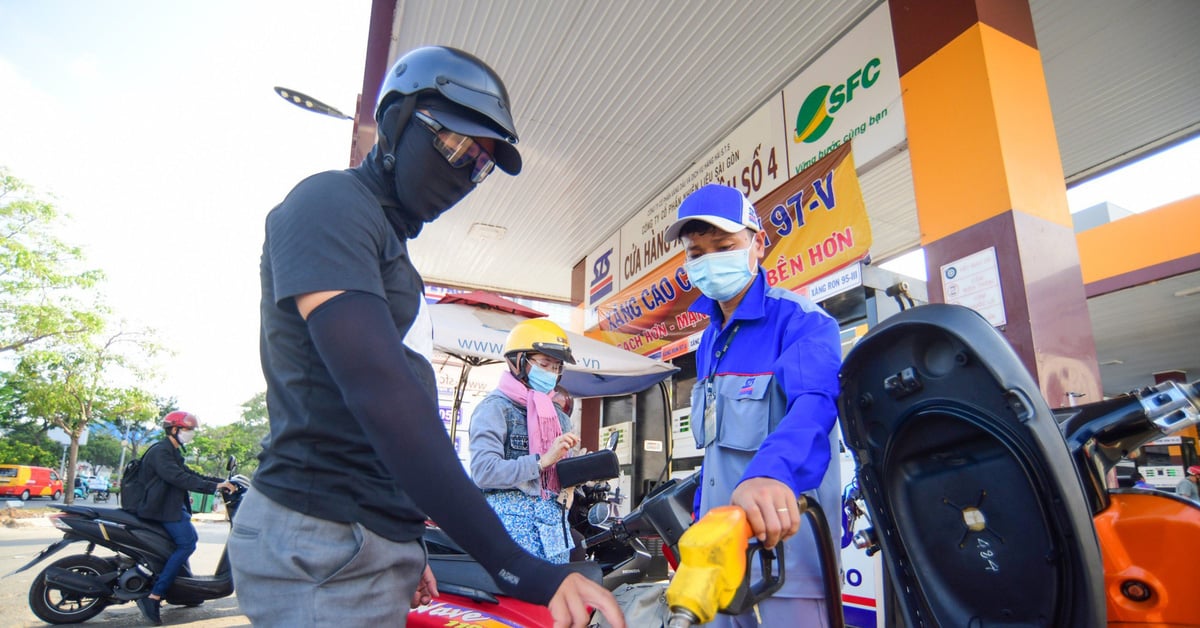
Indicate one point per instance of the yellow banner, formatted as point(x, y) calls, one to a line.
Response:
point(815, 223)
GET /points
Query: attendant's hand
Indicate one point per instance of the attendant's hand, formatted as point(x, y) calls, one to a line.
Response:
point(227, 487)
point(771, 509)
point(570, 603)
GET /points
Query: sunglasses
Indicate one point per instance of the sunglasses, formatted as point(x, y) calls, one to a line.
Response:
point(458, 149)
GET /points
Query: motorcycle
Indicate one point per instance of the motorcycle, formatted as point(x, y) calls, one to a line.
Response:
point(78, 587)
point(992, 509)
point(623, 558)
point(469, 596)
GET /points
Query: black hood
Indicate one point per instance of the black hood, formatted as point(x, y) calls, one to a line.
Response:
point(382, 185)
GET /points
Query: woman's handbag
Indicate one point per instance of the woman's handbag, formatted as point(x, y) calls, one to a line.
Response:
point(598, 465)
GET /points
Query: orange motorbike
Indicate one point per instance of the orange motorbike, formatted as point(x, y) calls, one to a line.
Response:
point(990, 508)
point(1148, 538)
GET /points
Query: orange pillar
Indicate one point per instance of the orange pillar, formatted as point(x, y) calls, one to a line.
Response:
point(987, 174)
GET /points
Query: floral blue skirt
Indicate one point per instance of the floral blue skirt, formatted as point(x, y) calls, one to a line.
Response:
point(537, 525)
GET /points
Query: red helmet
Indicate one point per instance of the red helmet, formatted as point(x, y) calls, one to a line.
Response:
point(1194, 470)
point(182, 419)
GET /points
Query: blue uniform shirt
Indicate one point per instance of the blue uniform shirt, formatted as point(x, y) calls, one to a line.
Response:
point(774, 387)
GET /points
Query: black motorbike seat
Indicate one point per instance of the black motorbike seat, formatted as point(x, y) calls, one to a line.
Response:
point(116, 515)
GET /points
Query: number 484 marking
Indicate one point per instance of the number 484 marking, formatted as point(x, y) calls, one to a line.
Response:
point(986, 553)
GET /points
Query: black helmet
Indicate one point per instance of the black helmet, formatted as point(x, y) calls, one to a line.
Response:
point(479, 105)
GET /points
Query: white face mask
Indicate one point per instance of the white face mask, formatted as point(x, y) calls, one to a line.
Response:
point(721, 276)
point(185, 436)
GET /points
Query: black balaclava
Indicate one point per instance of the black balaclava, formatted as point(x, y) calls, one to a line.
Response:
point(426, 184)
point(421, 184)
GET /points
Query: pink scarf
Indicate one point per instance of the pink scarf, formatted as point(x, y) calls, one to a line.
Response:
point(541, 419)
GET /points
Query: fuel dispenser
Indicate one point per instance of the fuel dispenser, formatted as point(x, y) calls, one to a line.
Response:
point(642, 423)
point(641, 420)
point(1163, 462)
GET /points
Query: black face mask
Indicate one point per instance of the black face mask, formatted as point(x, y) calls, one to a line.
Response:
point(426, 184)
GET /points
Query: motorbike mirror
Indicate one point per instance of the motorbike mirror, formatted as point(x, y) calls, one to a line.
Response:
point(613, 438)
point(599, 515)
point(231, 464)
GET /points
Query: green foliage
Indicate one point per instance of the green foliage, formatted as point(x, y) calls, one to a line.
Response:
point(68, 382)
point(23, 441)
point(255, 409)
point(102, 449)
point(69, 371)
point(13, 451)
point(40, 282)
point(242, 440)
point(139, 426)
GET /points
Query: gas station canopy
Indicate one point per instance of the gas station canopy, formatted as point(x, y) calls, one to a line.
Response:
point(614, 101)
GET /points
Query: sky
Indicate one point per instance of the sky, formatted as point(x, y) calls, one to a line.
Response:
point(155, 126)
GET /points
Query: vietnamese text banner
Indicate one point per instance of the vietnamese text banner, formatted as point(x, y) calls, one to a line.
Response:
point(815, 224)
point(850, 93)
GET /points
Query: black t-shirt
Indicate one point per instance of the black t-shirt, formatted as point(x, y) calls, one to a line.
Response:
point(330, 233)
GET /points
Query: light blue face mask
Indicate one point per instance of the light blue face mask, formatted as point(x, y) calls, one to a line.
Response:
point(720, 276)
point(541, 380)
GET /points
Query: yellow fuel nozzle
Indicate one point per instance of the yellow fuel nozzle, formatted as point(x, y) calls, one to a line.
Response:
point(712, 565)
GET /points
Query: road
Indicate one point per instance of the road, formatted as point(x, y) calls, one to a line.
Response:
point(20, 544)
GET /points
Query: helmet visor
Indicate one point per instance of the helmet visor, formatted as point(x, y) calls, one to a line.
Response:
point(555, 350)
point(454, 119)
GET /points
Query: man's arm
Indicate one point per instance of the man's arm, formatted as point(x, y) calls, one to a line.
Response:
point(796, 455)
point(356, 338)
point(173, 472)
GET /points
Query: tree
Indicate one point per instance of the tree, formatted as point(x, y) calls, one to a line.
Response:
point(254, 410)
point(13, 451)
point(102, 449)
point(254, 428)
point(39, 281)
point(24, 440)
point(242, 440)
point(140, 425)
point(71, 382)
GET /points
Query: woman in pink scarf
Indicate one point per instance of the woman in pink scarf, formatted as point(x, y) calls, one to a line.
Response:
point(517, 436)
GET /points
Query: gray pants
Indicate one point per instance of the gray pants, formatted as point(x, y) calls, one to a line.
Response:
point(291, 569)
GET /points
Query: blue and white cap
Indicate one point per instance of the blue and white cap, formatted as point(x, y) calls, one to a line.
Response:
point(721, 206)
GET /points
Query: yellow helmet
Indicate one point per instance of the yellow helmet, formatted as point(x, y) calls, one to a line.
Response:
point(539, 335)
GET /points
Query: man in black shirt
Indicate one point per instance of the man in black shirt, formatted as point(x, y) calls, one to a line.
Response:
point(330, 533)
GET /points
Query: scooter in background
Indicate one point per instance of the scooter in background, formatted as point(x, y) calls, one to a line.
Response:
point(77, 588)
point(992, 509)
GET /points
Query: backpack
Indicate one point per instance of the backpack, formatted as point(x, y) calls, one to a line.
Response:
point(133, 485)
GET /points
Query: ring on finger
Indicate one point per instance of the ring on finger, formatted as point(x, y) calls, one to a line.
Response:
point(784, 509)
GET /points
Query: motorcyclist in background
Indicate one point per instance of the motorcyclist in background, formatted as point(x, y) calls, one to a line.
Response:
point(168, 481)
